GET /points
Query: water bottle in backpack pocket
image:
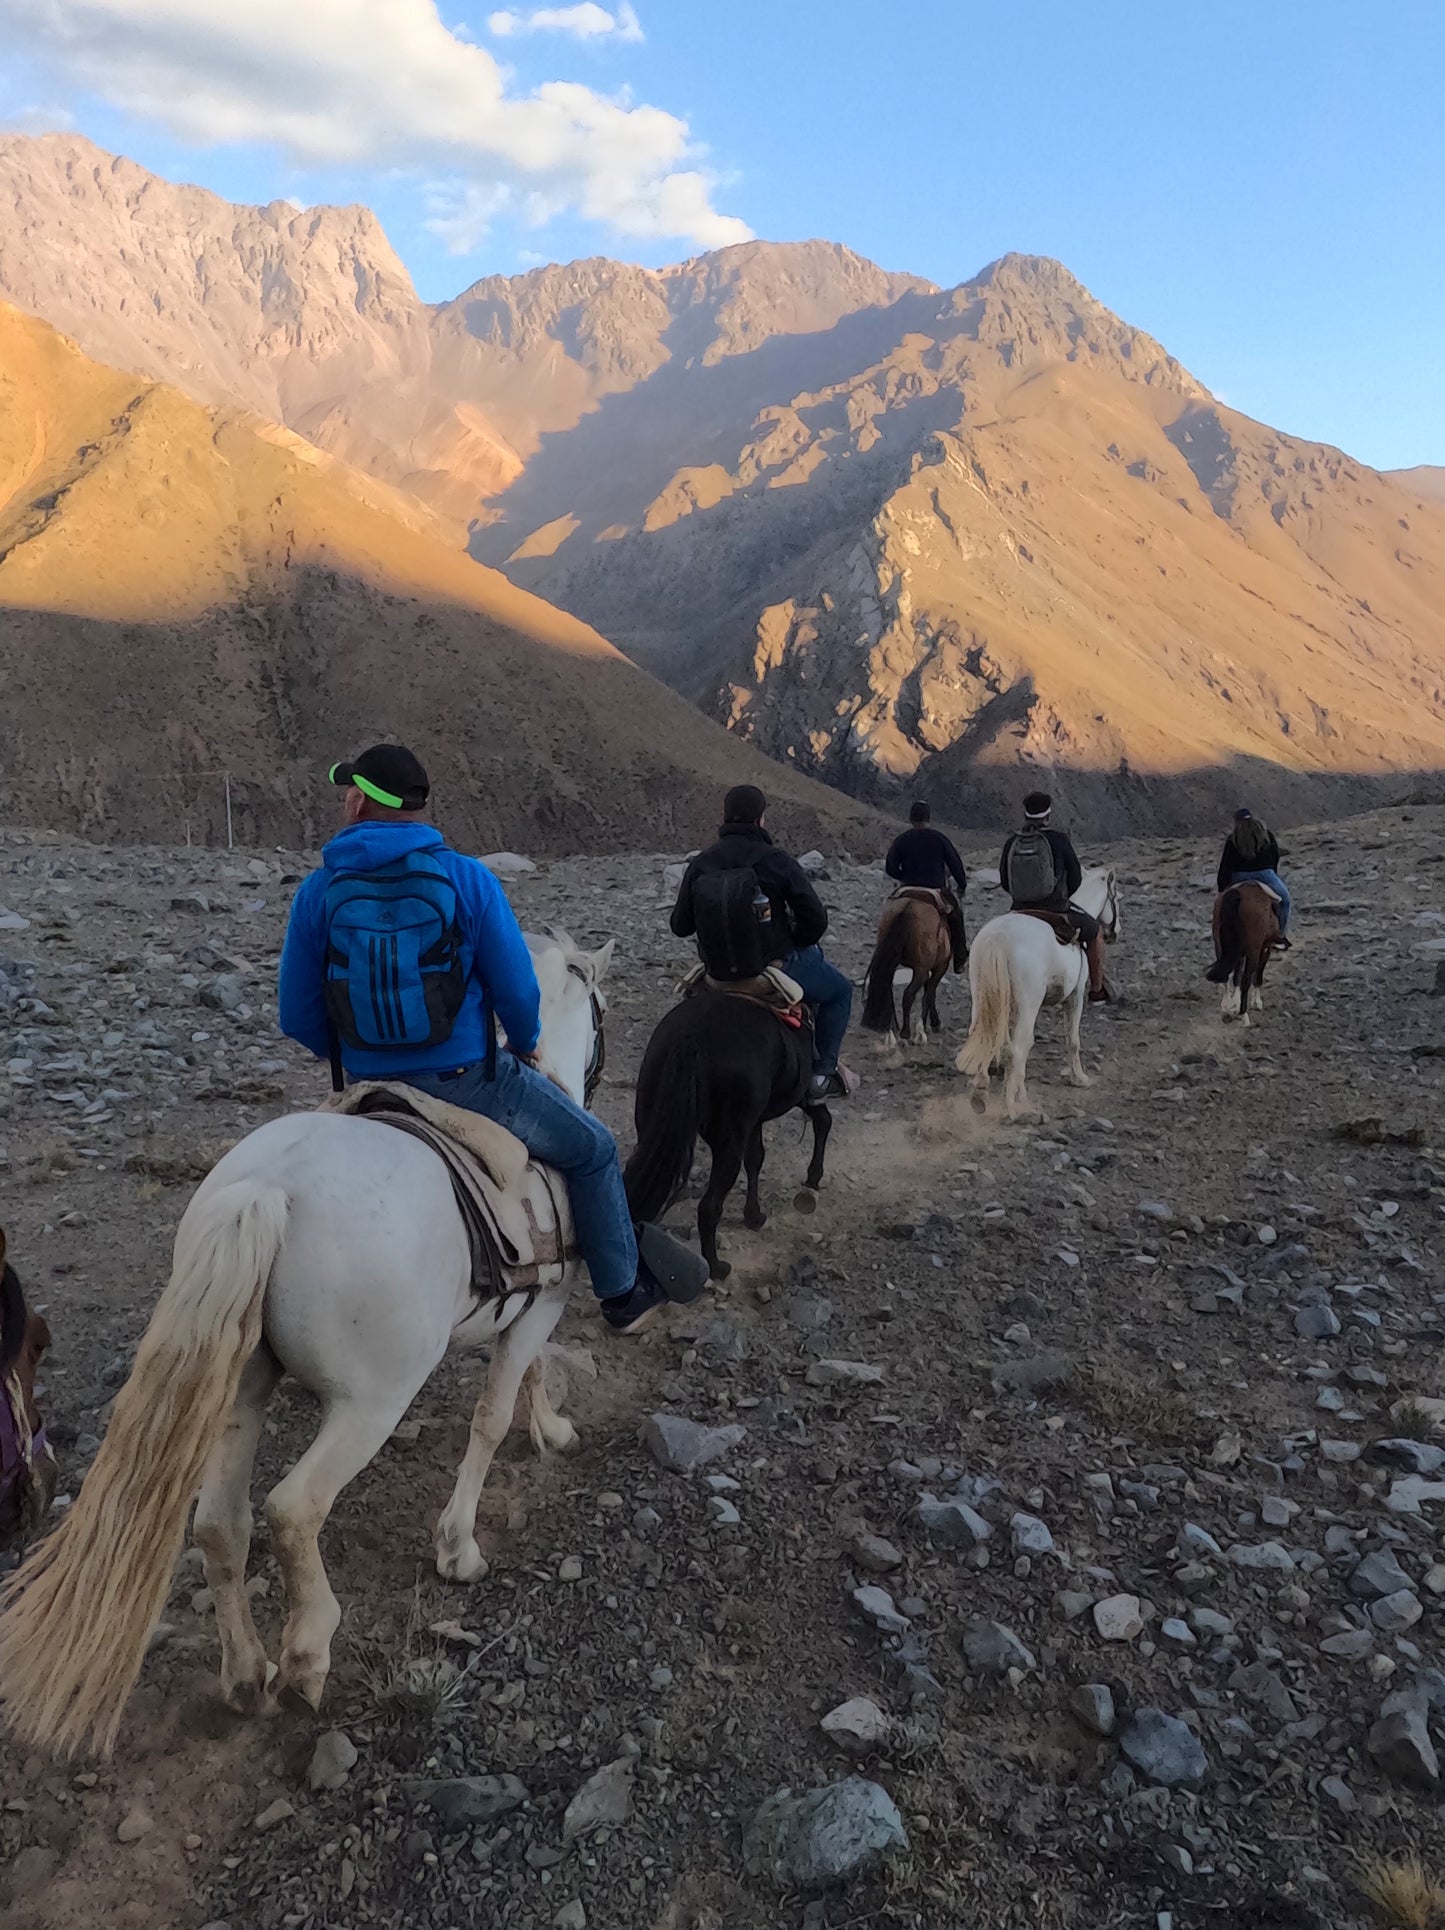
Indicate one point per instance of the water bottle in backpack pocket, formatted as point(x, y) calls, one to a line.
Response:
point(1032, 873)
point(394, 973)
point(734, 923)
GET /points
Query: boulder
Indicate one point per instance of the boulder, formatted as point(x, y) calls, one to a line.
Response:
point(824, 1839)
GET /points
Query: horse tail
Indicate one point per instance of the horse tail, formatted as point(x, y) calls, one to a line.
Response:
point(880, 1010)
point(12, 1310)
point(668, 1116)
point(75, 1620)
point(992, 989)
point(1231, 933)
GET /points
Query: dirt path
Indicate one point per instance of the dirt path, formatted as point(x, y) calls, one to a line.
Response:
point(1091, 1314)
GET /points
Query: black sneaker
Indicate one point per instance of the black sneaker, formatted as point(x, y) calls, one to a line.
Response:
point(628, 1313)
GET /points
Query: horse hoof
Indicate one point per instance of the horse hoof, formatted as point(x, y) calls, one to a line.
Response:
point(465, 1563)
point(249, 1698)
point(805, 1200)
point(755, 1222)
point(719, 1269)
point(978, 1102)
point(300, 1689)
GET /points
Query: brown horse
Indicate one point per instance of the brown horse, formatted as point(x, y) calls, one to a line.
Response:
point(913, 934)
point(27, 1467)
point(1246, 931)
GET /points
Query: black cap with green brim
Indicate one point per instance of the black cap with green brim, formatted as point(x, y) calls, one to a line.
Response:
point(388, 774)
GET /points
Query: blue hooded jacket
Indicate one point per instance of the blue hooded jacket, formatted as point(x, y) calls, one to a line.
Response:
point(495, 958)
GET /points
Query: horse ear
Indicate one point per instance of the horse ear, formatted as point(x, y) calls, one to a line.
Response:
point(601, 959)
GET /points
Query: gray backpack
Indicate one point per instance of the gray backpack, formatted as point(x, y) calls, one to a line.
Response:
point(1032, 874)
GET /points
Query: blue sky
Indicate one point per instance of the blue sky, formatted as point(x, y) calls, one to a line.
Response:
point(1260, 187)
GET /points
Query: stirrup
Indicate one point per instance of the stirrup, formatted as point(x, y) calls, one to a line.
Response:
point(674, 1269)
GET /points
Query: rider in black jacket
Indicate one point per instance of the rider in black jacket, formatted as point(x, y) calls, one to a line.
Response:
point(791, 935)
point(923, 858)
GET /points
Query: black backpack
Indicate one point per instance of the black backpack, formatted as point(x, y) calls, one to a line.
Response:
point(733, 915)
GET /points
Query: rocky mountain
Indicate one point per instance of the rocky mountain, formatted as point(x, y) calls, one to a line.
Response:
point(190, 594)
point(902, 538)
point(308, 317)
point(975, 537)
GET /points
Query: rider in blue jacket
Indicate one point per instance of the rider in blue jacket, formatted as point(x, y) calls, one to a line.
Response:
point(343, 956)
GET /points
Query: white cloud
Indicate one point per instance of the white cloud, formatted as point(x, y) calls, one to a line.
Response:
point(381, 83)
point(587, 22)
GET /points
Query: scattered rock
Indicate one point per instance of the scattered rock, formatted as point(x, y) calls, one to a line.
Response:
point(1093, 1704)
point(1393, 1614)
point(1119, 1618)
point(682, 1446)
point(1400, 1742)
point(331, 1761)
point(877, 1606)
point(1030, 1535)
point(843, 1373)
point(992, 1649)
point(136, 1823)
point(825, 1838)
point(572, 1916)
point(857, 1726)
point(466, 1801)
point(953, 1522)
point(273, 1816)
point(1269, 1557)
point(1378, 1575)
point(1164, 1749)
point(605, 1799)
point(872, 1552)
point(509, 864)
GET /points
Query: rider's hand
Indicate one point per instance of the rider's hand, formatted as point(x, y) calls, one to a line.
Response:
point(532, 1058)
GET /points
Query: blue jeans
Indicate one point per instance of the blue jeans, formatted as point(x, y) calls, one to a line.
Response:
point(1275, 883)
point(830, 994)
point(555, 1130)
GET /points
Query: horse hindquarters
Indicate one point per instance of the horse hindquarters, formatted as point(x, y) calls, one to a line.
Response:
point(66, 1669)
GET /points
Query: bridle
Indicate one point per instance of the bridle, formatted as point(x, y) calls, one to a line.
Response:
point(597, 1063)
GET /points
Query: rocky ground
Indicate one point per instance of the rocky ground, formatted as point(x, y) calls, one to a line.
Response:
point(1090, 1464)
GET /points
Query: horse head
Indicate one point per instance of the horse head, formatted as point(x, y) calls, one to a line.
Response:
point(574, 1010)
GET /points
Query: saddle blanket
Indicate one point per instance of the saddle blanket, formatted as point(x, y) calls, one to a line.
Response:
point(1259, 885)
point(516, 1213)
point(772, 987)
point(1066, 933)
point(924, 894)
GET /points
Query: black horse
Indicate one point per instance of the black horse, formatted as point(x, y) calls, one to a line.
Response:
point(717, 1066)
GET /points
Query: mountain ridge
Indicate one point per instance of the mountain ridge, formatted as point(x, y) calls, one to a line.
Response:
point(191, 592)
point(896, 535)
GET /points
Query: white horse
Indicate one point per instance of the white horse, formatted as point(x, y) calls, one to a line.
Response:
point(322, 1246)
point(1015, 967)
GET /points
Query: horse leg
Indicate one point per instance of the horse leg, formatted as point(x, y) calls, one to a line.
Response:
point(914, 1033)
point(1021, 1040)
point(355, 1427)
point(223, 1534)
point(458, 1557)
point(727, 1159)
point(754, 1214)
point(1077, 1075)
point(822, 1125)
point(548, 1428)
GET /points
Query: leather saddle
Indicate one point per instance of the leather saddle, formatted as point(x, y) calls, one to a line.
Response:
point(771, 988)
point(516, 1213)
point(923, 895)
point(1066, 933)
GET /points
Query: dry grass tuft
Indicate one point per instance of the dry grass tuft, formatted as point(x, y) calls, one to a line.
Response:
point(1404, 1894)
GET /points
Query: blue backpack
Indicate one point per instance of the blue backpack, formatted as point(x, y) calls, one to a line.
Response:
point(394, 974)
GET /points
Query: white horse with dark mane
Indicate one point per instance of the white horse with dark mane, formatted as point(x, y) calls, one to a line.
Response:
point(1016, 967)
point(323, 1246)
